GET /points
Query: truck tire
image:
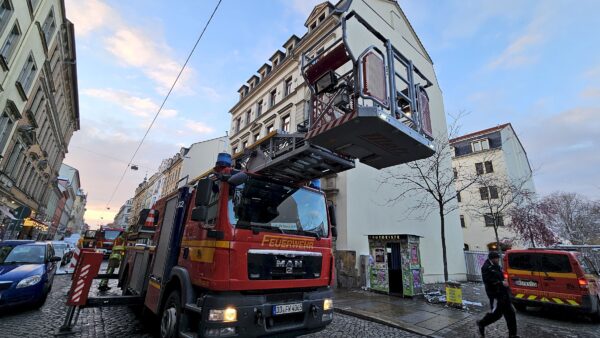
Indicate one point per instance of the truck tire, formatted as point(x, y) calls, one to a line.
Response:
point(171, 316)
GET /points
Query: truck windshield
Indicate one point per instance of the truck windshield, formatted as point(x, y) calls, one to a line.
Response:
point(111, 234)
point(271, 205)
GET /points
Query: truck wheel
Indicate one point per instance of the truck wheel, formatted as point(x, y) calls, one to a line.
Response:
point(171, 313)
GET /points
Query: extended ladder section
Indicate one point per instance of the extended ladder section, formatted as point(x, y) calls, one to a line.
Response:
point(368, 100)
point(291, 158)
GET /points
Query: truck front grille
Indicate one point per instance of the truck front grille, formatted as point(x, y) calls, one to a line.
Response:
point(283, 264)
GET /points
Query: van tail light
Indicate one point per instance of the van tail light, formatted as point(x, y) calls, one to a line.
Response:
point(583, 283)
point(506, 276)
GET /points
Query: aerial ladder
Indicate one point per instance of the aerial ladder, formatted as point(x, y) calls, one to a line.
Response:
point(368, 102)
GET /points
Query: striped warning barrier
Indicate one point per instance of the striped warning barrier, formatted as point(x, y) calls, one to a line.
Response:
point(73, 263)
point(547, 299)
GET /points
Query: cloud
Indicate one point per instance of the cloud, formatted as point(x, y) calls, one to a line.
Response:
point(138, 106)
point(198, 127)
point(89, 15)
point(592, 92)
point(134, 47)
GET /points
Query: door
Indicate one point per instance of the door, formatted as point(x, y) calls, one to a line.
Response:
point(524, 275)
point(394, 268)
point(558, 277)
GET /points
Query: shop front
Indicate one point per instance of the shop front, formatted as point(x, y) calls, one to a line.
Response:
point(33, 229)
point(395, 264)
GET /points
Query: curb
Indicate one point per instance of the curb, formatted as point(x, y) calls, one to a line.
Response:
point(405, 326)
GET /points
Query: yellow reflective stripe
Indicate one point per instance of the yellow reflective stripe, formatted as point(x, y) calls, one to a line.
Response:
point(520, 295)
point(559, 274)
point(202, 254)
point(572, 302)
point(154, 284)
point(558, 301)
point(207, 243)
point(544, 299)
point(532, 297)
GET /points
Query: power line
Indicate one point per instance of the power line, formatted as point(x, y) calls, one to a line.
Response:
point(108, 156)
point(163, 103)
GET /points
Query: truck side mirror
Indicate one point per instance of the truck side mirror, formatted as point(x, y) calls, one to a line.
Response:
point(332, 219)
point(199, 213)
point(203, 191)
point(238, 179)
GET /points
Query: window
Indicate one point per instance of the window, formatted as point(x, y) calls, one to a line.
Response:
point(556, 263)
point(479, 168)
point(462, 221)
point(489, 168)
point(288, 87)
point(49, 26)
point(458, 197)
point(248, 117)
point(212, 207)
point(6, 125)
point(256, 137)
point(259, 108)
point(285, 124)
point(489, 220)
point(493, 192)
point(234, 150)
point(270, 128)
point(488, 193)
point(322, 17)
point(12, 160)
point(524, 261)
point(272, 97)
point(244, 144)
point(6, 10)
point(27, 74)
point(275, 62)
point(480, 145)
point(10, 44)
point(238, 123)
point(313, 26)
point(455, 173)
point(33, 4)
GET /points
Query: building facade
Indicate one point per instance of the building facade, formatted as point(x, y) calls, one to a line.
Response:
point(495, 154)
point(39, 109)
point(200, 157)
point(122, 217)
point(277, 98)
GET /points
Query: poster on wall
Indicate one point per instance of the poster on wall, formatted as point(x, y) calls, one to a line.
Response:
point(379, 255)
point(379, 280)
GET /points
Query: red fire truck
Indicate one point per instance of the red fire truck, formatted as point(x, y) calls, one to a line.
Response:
point(246, 249)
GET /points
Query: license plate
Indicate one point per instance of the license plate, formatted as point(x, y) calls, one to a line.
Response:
point(287, 308)
point(527, 283)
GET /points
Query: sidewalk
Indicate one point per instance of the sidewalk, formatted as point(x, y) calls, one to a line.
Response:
point(410, 314)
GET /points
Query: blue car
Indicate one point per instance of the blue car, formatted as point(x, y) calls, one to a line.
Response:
point(26, 272)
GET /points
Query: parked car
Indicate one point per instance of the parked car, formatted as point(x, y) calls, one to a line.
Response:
point(27, 271)
point(63, 250)
point(557, 278)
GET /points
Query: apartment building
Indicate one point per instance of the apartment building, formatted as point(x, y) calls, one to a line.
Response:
point(497, 154)
point(122, 217)
point(39, 109)
point(277, 98)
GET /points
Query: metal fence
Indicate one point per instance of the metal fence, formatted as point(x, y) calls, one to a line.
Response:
point(474, 260)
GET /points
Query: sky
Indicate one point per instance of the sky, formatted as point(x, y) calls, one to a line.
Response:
point(535, 64)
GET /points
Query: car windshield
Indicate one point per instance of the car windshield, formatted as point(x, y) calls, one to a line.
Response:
point(271, 205)
point(111, 234)
point(22, 254)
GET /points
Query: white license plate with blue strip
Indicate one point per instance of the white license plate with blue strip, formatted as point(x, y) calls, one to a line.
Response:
point(287, 308)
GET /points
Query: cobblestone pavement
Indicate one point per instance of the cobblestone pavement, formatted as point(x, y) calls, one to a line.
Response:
point(124, 322)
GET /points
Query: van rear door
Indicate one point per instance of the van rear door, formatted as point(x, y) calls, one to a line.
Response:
point(524, 276)
point(559, 279)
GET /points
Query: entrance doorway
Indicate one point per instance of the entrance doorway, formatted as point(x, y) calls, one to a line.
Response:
point(394, 261)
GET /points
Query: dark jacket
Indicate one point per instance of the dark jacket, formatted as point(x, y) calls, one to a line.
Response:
point(492, 279)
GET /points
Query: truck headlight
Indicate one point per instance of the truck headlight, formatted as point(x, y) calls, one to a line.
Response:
point(29, 281)
point(227, 315)
point(327, 304)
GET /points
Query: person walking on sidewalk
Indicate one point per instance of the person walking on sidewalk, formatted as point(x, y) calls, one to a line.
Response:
point(114, 260)
point(497, 290)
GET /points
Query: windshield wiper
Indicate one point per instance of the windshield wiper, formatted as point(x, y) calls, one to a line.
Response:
point(311, 233)
point(257, 227)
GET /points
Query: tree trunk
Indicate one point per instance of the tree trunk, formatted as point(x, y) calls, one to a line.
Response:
point(443, 227)
point(531, 237)
point(498, 248)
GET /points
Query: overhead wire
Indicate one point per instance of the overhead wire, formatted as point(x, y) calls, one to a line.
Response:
point(162, 104)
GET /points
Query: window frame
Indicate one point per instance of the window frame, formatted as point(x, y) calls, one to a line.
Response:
point(13, 45)
point(286, 126)
point(272, 97)
point(48, 35)
point(463, 223)
point(287, 86)
point(7, 13)
point(489, 167)
point(479, 168)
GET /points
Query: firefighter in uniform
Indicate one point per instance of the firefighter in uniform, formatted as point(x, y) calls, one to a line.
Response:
point(497, 290)
point(114, 260)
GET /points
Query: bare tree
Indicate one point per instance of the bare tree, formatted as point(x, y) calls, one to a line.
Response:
point(499, 194)
point(529, 223)
point(572, 216)
point(433, 182)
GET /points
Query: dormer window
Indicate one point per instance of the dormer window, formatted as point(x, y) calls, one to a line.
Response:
point(322, 17)
point(313, 26)
point(480, 145)
point(275, 62)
